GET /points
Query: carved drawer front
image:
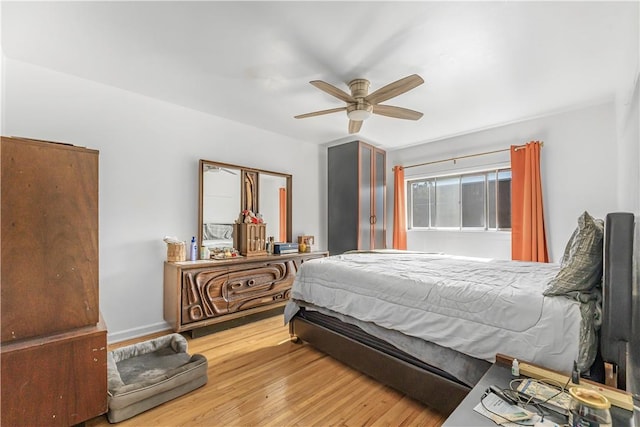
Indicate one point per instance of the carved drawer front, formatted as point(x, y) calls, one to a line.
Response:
point(202, 294)
point(198, 294)
point(253, 285)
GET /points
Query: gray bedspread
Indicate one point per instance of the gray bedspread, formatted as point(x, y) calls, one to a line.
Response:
point(473, 306)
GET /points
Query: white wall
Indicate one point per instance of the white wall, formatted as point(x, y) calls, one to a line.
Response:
point(579, 166)
point(629, 152)
point(149, 153)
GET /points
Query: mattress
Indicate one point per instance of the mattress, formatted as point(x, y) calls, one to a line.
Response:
point(475, 306)
point(446, 362)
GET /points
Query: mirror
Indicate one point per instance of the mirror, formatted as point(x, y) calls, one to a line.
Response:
point(272, 195)
point(226, 190)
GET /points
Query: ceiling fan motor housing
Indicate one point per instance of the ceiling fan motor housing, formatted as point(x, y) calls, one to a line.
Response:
point(359, 88)
point(361, 109)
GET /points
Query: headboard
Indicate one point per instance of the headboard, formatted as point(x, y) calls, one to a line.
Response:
point(617, 292)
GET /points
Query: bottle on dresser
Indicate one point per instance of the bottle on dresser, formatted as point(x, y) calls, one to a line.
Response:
point(194, 250)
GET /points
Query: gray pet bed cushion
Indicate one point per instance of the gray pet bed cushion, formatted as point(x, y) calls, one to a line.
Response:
point(147, 374)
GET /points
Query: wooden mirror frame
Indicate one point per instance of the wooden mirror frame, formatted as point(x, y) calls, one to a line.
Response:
point(255, 174)
point(250, 191)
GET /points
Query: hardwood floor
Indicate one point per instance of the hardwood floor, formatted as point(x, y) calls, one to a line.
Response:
point(258, 377)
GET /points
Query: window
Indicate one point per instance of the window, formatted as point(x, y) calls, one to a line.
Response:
point(475, 201)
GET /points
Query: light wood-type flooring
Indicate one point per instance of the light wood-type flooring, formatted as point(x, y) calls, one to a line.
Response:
point(258, 377)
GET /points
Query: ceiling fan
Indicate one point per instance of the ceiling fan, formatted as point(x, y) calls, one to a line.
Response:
point(361, 104)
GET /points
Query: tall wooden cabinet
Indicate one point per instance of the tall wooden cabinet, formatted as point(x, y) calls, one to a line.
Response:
point(356, 197)
point(53, 342)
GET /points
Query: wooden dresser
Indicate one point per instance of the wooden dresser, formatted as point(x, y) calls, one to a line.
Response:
point(202, 293)
point(53, 347)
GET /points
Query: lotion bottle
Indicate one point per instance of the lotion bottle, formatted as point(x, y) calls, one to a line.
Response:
point(194, 249)
point(515, 368)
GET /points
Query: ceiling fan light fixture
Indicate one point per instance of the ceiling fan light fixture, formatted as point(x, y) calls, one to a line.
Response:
point(359, 115)
point(359, 111)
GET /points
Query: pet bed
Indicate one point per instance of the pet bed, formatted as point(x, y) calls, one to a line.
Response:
point(144, 375)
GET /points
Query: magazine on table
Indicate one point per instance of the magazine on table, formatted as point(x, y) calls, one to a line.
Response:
point(508, 415)
point(501, 412)
point(551, 397)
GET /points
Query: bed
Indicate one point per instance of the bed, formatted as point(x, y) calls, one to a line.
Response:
point(430, 325)
point(217, 236)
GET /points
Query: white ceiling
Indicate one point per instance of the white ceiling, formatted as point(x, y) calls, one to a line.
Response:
point(484, 63)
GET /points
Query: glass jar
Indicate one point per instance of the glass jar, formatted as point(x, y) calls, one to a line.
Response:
point(588, 408)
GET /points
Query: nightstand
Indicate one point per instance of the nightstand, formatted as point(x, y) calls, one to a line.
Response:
point(500, 375)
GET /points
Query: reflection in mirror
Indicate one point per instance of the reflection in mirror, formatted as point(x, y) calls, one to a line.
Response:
point(273, 191)
point(226, 189)
point(220, 204)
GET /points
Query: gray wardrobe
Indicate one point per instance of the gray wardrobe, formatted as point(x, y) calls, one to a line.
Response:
point(356, 197)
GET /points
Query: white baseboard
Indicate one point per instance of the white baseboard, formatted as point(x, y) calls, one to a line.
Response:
point(115, 337)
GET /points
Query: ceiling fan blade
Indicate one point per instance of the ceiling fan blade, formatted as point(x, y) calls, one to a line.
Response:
point(354, 126)
point(320, 113)
point(396, 112)
point(332, 90)
point(394, 89)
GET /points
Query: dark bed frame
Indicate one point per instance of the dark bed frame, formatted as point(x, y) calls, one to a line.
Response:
point(440, 391)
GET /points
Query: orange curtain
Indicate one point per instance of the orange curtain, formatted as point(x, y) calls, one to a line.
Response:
point(528, 241)
point(283, 215)
point(399, 210)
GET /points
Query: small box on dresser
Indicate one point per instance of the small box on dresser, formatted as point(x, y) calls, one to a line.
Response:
point(250, 239)
point(283, 248)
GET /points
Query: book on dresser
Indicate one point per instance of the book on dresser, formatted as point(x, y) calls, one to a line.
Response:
point(285, 248)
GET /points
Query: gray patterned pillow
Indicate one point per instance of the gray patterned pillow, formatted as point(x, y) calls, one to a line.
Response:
point(581, 265)
point(567, 249)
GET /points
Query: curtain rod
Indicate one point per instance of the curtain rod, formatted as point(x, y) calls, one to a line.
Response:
point(517, 147)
